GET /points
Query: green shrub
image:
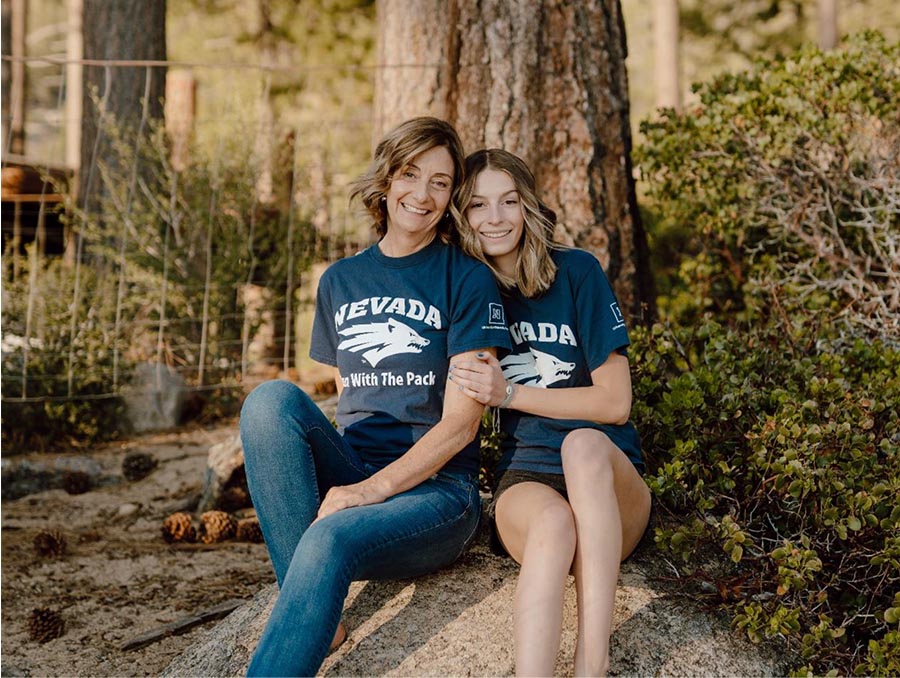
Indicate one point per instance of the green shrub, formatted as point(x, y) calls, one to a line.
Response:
point(49, 356)
point(490, 448)
point(783, 187)
point(201, 235)
point(781, 450)
point(159, 247)
point(769, 406)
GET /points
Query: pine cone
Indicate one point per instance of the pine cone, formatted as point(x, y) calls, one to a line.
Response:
point(178, 527)
point(234, 499)
point(76, 482)
point(216, 526)
point(137, 465)
point(326, 387)
point(248, 529)
point(49, 543)
point(45, 624)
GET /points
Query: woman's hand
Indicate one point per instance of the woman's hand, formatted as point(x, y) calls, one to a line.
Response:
point(341, 497)
point(481, 379)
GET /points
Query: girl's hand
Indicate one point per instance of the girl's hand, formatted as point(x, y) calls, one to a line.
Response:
point(481, 379)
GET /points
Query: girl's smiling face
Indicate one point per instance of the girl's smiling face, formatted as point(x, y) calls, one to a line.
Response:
point(495, 214)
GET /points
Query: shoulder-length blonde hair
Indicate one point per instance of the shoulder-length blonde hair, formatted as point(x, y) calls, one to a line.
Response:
point(396, 150)
point(535, 269)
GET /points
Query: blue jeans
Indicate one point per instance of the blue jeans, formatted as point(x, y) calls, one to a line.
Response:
point(292, 456)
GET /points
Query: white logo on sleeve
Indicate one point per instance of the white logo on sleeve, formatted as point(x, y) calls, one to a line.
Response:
point(495, 314)
point(535, 368)
point(618, 318)
point(380, 340)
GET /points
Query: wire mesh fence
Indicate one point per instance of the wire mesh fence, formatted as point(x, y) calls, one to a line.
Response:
point(191, 244)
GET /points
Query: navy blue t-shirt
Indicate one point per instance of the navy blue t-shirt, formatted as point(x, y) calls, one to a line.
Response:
point(390, 326)
point(559, 338)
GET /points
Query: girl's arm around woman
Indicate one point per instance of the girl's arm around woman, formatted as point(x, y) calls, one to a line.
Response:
point(606, 401)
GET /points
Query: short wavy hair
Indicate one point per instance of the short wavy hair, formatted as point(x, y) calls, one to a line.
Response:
point(396, 150)
point(535, 269)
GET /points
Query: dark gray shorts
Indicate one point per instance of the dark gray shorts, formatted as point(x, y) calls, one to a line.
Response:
point(510, 477)
point(555, 481)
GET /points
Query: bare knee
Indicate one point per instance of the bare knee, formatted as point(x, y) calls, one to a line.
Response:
point(552, 532)
point(588, 454)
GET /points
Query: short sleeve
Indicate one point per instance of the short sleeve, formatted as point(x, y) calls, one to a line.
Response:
point(477, 316)
point(323, 341)
point(600, 325)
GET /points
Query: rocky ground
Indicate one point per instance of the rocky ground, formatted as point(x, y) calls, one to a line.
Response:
point(118, 580)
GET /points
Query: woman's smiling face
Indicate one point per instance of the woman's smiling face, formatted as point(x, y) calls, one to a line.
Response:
point(495, 214)
point(419, 193)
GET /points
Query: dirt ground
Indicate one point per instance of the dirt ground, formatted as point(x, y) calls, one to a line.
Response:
point(118, 578)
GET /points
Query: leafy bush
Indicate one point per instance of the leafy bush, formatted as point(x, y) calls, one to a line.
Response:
point(490, 448)
point(166, 257)
point(191, 240)
point(769, 406)
point(49, 354)
point(784, 187)
point(783, 450)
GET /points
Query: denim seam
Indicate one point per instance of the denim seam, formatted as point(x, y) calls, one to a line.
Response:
point(338, 448)
point(338, 610)
point(360, 557)
point(309, 424)
point(471, 537)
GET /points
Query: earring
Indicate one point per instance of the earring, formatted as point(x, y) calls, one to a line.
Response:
point(384, 198)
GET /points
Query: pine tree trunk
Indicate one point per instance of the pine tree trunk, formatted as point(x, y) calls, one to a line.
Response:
point(132, 30)
point(828, 24)
point(667, 53)
point(546, 80)
point(15, 21)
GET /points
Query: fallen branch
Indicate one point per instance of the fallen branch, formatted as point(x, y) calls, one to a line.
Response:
point(182, 625)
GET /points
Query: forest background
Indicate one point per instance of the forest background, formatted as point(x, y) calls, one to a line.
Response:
point(766, 395)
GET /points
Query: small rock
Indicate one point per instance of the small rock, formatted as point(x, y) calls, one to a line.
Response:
point(708, 587)
point(126, 510)
point(222, 461)
point(154, 400)
point(21, 477)
point(13, 671)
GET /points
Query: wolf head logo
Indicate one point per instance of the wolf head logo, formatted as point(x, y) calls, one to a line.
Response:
point(535, 368)
point(380, 340)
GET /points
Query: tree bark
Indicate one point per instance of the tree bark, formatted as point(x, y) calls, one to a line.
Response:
point(18, 19)
point(828, 28)
point(6, 66)
point(546, 80)
point(74, 89)
point(130, 30)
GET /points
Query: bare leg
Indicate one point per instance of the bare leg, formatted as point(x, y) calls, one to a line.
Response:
point(611, 504)
point(536, 526)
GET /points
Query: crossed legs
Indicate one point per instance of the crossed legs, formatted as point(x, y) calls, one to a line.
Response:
point(292, 455)
point(607, 512)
